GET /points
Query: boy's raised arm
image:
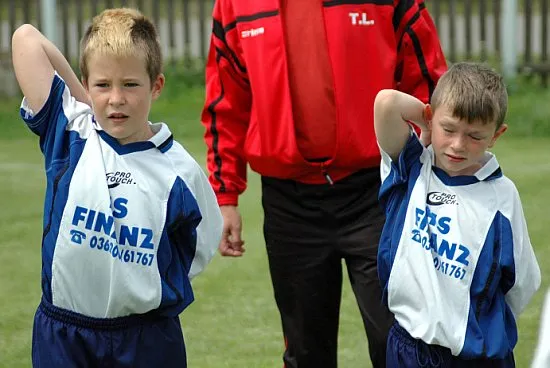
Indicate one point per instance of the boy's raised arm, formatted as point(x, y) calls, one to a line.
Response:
point(35, 59)
point(392, 110)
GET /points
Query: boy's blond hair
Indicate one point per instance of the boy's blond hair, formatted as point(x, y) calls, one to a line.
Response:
point(122, 32)
point(472, 92)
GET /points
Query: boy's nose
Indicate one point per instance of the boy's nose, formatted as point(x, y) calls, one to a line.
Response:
point(459, 144)
point(116, 97)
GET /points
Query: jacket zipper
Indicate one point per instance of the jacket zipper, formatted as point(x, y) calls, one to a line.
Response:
point(326, 175)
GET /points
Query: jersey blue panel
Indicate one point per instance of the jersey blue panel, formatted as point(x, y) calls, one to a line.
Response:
point(185, 216)
point(61, 151)
point(394, 197)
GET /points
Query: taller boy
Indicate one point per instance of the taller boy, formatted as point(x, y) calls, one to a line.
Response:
point(129, 216)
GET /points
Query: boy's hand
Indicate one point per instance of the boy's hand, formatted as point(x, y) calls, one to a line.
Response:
point(426, 132)
point(35, 61)
point(425, 137)
point(231, 244)
point(393, 110)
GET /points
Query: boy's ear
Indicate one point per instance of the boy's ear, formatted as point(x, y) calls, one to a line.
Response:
point(157, 86)
point(500, 131)
point(85, 84)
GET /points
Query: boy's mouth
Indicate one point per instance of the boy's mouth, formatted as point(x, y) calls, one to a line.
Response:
point(117, 117)
point(453, 158)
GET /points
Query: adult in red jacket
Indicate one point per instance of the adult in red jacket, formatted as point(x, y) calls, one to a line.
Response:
point(290, 91)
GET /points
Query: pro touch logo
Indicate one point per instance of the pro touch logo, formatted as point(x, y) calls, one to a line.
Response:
point(114, 179)
point(439, 198)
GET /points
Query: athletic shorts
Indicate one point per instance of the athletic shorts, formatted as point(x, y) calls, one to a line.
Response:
point(62, 338)
point(403, 351)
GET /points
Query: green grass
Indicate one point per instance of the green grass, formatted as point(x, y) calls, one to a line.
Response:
point(234, 321)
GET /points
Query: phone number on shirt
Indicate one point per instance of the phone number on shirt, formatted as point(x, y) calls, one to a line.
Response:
point(448, 269)
point(124, 255)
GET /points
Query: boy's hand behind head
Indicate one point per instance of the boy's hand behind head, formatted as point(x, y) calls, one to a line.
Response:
point(426, 133)
point(427, 114)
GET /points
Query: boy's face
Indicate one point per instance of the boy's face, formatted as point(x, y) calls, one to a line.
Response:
point(121, 94)
point(459, 146)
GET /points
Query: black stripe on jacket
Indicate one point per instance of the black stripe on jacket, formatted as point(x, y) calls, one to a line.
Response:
point(214, 130)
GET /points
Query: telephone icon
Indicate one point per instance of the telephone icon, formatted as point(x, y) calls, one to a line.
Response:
point(77, 236)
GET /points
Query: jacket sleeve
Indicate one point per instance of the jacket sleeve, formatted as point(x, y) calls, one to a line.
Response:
point(420, 59)
point(226, 111)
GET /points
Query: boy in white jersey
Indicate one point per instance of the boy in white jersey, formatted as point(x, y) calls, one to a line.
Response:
point(129, 216)
point(455, 259)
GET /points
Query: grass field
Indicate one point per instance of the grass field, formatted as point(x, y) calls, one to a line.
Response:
point(234, 322)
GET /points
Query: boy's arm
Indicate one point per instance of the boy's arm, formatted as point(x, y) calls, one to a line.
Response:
point(209, 230)
point(521, 272)
point(35, 60)
point(392, 110)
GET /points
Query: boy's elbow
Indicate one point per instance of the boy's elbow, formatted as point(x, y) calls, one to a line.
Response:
point(23, 33)
point(385, 96)
point(385, 101)
point(384, 104)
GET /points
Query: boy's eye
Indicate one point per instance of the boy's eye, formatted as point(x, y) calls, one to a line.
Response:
point(448, 130)
point(475, 138)
point(131, 84)
point(101, 85)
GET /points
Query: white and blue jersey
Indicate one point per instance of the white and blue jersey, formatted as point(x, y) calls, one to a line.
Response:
point(455, 260)
point(125, 226)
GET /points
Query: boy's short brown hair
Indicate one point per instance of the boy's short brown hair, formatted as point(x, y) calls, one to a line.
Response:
point(122, 32)
point(473, 92)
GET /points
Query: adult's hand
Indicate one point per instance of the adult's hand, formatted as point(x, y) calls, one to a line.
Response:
point(231, 244)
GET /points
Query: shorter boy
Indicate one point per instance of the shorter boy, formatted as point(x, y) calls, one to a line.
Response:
point(455, 260)
point(129, 216)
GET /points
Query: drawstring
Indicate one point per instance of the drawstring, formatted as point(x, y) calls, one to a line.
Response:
point(430, 354)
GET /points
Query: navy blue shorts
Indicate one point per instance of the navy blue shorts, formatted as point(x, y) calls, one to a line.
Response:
point(63, 338)
point(403, 351)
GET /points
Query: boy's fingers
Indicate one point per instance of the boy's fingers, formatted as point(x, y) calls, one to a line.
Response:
point(427, 113)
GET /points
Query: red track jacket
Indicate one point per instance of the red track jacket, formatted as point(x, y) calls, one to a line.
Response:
point(372, 44)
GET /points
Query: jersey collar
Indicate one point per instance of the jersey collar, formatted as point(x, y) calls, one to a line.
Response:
point(490, 170)
point(162, 139)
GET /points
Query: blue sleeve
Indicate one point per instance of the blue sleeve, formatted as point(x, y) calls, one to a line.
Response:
point(50, 122)
point(395, 174)
point(184, 216)
point(520, 269)
point(201, 222)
